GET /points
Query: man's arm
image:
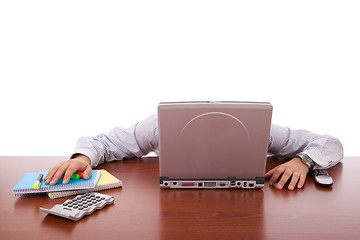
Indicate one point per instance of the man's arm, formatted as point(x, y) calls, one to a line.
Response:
point(285, 143)
point(135, 141)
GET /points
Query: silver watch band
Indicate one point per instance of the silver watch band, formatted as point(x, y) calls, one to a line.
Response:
point(306, 160)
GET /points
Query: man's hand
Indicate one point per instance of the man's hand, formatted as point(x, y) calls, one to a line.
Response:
point(294, 169)
point(80, 163)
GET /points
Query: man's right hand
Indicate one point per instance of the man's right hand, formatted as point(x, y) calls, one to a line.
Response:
point(80, 163)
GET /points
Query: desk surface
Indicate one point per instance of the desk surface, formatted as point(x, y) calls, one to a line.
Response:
point(144, 211)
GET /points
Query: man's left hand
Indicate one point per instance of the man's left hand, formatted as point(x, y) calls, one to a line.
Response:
point(294, 169)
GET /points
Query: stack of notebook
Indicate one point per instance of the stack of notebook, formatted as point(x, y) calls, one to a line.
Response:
point(99, 180)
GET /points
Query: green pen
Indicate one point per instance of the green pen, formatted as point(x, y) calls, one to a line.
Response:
point(75, 176)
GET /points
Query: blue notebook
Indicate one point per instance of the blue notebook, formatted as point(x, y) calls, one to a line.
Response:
point(25, 185)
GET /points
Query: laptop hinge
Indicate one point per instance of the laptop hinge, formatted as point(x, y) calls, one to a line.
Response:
point(260, 180)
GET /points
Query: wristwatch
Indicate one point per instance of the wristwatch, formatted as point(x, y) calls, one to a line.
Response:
point(306, 160)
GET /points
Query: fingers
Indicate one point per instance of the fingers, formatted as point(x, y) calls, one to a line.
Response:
point(281, 175)
point(49, 176)
point(294, 180)
point(270, 173)
point(284, 178)
point(293, 171)
point(301, 181)
point(278, 171)
point(87, 172)
point(58, 172)
point(67, 169)
point(53, 175)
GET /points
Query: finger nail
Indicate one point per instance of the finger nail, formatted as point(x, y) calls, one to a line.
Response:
point(279, 186)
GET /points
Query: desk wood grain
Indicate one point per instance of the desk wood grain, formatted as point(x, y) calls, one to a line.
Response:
point(144, 211)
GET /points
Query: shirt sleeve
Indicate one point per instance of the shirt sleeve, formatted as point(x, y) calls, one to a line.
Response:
point(135, 141)
point(142, 138)
point(326, 151)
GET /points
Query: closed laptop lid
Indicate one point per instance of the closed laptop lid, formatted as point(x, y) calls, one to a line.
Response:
point(213, 140)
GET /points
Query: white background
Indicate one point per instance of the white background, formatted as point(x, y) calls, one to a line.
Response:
point(79, 68)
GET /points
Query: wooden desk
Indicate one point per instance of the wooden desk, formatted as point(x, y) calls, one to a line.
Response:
point(144, 211)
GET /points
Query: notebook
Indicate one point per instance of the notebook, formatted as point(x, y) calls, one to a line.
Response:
point(213, 144)
point(106, 181)
point(25, 185)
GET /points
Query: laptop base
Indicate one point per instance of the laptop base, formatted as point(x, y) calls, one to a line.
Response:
point(212, 183)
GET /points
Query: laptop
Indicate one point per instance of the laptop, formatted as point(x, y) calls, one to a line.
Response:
point(213, 144)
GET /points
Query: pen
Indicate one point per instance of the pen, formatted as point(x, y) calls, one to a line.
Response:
point(38, 182)
point(77, 175)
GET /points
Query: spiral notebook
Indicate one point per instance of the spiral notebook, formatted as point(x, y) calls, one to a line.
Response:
point(25, 185)
point(107, 181)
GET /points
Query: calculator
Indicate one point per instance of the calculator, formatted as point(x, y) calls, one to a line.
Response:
point(83, 204)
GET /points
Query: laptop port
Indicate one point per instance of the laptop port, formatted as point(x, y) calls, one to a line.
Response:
point(209, 184)
point(188, 184)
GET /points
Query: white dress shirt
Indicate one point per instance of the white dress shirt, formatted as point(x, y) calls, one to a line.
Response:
point(142, 138)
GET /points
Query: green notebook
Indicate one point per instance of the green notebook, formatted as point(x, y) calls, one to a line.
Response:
point(25, 185)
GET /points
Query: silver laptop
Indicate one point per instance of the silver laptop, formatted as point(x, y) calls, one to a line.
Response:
point(213, 144)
